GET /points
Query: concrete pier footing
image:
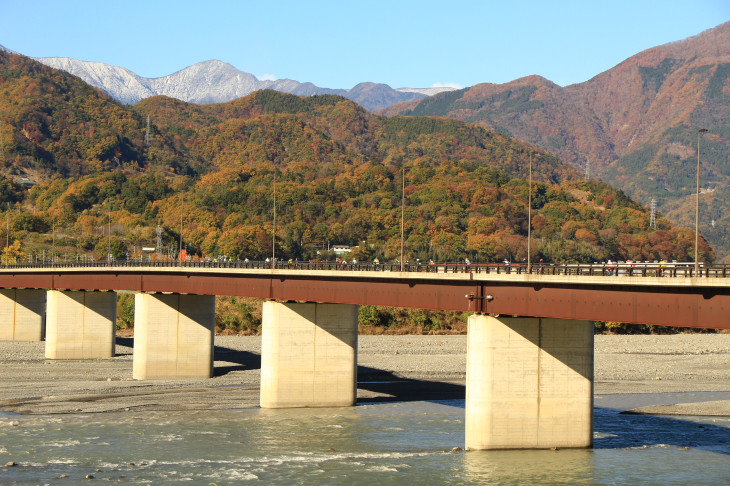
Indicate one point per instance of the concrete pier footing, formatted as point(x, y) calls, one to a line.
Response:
point(173, 336)
point(22, 314)
point(308, 355)
point(80, 324)
point(529, 383)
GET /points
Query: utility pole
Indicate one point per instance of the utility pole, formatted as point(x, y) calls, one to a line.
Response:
point(587, 173)
point(147, 133)
point(273, 229)
point(109, 236)
point(402, 214)
point(182, 203)
point(697, 203)
point(652, 216)
point(158, 246)
point(529, 219)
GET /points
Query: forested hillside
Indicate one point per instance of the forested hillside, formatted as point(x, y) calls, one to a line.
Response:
point(209, 172)
point(634, 126)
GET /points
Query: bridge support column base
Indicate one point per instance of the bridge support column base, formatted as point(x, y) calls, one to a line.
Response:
point(308, 355)
point(529, 383)
point(22, 314)
point(80, 324)
point(173, 336)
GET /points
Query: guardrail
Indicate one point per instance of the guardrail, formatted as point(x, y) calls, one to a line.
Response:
point(637, 269)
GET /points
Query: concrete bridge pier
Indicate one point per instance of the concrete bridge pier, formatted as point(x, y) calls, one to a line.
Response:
point(173, 336)
point(22, 314)
point(80, 324)
point(529, 383)
point(308, 355)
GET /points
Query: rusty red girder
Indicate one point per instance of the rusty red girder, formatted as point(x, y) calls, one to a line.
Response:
point(705, 306)
point(675, 306)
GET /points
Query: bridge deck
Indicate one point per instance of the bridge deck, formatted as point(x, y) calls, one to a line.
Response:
point(569, 291)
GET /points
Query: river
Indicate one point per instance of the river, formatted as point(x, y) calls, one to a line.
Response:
point(377, 443)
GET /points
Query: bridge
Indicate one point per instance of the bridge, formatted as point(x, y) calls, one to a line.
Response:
point(529, 381)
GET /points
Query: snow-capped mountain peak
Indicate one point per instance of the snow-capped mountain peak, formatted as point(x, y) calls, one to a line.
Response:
point(216, 81)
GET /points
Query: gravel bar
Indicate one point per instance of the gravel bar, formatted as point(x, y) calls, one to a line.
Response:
point(390, 368)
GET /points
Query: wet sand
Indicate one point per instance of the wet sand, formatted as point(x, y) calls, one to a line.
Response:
point(390, 368)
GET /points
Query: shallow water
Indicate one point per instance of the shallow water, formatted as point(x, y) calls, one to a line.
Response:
point(391, 443)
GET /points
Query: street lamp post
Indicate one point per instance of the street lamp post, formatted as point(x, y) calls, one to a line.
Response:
point(697, 202)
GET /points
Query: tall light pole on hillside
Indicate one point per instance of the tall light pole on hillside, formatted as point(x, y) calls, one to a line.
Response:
point(529, 219)
point(182, 203)
point(109, 236)
point(402, 213)
point(697, 202)
point(273, 228)
point(7, 229)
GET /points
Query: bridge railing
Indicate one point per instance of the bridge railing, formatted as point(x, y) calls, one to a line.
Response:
point(633, 269)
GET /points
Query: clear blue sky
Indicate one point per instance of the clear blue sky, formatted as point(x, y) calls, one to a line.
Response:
point(337, 44)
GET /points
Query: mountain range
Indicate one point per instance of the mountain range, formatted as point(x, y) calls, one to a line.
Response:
point(634, 126)
point(218, 82)
point(207, 175)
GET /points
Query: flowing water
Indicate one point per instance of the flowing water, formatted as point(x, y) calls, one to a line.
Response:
point(385, 443)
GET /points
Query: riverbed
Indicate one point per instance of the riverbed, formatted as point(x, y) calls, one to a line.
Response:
point(65, 420)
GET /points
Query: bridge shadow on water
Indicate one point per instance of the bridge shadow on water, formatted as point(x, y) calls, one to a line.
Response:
point(614, 429)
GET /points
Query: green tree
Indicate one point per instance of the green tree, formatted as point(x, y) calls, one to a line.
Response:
point(125, 310)
point(114, 247)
